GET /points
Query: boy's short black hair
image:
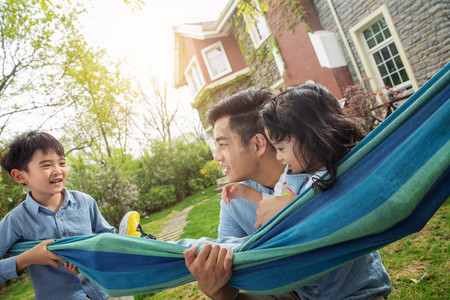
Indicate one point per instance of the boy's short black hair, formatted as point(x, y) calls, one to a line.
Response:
point(19, 153)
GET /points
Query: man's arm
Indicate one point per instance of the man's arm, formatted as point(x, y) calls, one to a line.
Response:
point(212, 269)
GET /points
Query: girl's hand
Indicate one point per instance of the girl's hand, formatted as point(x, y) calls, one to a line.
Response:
point(238, 191)
point(71, 268)
point(269, 207)
point(233, 191)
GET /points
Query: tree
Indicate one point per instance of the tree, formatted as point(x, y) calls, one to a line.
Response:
point(101, 97)
point(37, 49)
point(157, 115)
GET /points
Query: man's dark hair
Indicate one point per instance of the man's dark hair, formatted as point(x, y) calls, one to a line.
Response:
point(242, 108)
point(20, 152)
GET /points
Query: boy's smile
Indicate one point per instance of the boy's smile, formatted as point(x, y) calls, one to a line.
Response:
point(46, 176)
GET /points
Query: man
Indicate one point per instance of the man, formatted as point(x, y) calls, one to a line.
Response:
point(246, 155)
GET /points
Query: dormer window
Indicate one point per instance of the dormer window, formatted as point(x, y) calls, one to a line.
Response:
point(257, 27)
point(194, 76)
point(216, 60)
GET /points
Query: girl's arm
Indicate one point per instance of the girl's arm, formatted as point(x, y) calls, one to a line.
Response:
point(269, 207)
point(238, 191)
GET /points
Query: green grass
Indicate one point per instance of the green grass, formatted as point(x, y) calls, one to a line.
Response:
point(418, 264)
point(19, 289)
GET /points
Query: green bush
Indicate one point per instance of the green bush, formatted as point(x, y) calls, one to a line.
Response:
point(156, 199)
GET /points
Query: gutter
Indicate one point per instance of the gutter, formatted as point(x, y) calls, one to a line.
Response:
point(346, 44)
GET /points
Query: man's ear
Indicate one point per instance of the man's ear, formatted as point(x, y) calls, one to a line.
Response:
point(18, 176)
point(261, 144)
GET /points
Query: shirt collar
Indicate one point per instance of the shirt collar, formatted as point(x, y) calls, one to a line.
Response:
point(34, 206)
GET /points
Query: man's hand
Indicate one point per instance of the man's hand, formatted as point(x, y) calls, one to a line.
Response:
point(269, 207)
point(212, 269)
point(38, 255)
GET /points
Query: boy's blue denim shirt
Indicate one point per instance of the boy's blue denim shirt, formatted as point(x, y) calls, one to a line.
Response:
point(79, 215)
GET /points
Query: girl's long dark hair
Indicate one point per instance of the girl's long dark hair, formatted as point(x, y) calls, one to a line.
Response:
point(324, 132)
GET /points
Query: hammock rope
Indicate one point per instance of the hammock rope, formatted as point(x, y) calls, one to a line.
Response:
point(389, 186)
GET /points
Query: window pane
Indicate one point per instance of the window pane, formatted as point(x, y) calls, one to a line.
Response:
point(371, 43)
point(396, 79)
point(216, 60)
point(398, 62)
point(387, 81)
point(261, 28)
point(378, 58)
point(404, 75)
point(393, 49)
point(390, 66)
point(367, 33)
point(385, 53)
point(379, 37)
point(382, 70)
point(387, 33)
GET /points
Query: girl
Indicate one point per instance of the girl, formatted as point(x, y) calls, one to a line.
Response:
point(311, 133)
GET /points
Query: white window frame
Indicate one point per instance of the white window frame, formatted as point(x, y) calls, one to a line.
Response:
point(278, 60)
point(192, 64)
point(364, 53)
point(217, 45)
point(252, 27)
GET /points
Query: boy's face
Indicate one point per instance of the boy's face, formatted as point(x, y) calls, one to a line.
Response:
point(46, 175)
point(237, 160)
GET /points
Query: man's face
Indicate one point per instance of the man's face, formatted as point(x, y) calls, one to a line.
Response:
point(46, 175)
point(238, 161)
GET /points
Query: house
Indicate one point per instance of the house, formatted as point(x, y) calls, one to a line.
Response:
point(337, 43)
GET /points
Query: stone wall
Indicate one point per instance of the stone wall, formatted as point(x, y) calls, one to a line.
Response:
point(260, 61)
point(422, 25)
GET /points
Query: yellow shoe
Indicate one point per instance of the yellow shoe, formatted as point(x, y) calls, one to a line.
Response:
point(130, 224)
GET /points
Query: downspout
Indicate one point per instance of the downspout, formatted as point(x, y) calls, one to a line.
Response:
point(344, 39)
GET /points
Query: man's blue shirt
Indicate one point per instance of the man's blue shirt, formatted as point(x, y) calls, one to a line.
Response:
point(78, 215)
point(363, 278)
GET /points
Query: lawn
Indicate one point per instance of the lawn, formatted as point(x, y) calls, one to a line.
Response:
point(418, 264)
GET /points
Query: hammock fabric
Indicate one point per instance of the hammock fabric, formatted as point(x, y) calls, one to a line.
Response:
point(389, 186)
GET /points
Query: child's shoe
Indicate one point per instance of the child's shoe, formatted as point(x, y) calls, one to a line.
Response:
point(130, 225)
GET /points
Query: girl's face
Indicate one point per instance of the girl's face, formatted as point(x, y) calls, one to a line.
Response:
point(286, 154)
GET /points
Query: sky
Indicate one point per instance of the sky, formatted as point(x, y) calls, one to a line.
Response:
point(144, 37)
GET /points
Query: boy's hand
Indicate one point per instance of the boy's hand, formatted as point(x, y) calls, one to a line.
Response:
point(38, 255)
point(71, 268)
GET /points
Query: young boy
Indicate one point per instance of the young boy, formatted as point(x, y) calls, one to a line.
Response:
point(36, 159)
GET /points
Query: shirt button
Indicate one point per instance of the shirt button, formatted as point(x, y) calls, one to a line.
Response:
point(83, 282)
point(63, 234)
point(57, 216)
point(316, 291)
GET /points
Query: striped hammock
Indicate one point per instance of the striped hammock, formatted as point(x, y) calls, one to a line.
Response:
point(389, 186)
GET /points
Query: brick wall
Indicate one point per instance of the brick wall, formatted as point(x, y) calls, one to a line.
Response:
point(298, 53)
point(195, 47)
point(421, 24)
